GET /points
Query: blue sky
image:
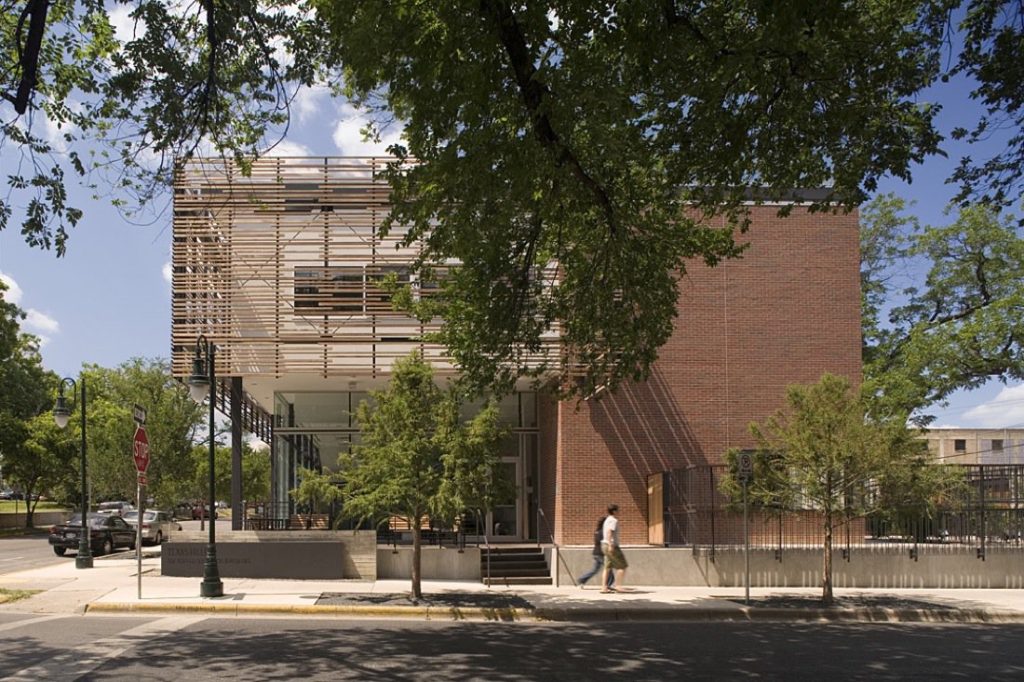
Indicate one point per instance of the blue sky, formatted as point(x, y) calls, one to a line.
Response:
point(108, 299)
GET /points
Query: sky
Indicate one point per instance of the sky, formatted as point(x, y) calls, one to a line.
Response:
point(108, 299)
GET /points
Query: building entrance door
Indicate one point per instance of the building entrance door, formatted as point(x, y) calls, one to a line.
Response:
point(505, 521)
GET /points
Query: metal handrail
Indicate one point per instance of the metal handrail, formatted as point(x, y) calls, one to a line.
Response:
point(554, 544)
point(487, 546)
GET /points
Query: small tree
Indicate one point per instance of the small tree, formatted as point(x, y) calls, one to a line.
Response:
point(416, 459)
point(823, 452)
point(315, 489)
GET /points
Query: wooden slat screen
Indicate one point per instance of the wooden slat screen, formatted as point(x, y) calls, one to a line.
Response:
point(281, 269)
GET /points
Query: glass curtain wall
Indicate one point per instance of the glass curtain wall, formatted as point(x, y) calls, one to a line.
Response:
point(312, 429)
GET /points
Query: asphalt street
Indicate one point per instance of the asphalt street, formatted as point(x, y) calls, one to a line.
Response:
point(21, 552)
point(165, 648)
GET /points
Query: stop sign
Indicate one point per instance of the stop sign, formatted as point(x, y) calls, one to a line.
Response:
point(140, 450)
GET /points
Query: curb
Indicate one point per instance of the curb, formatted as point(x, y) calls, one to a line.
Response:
point(578, 614)
point(423, 612)
point(782, 615)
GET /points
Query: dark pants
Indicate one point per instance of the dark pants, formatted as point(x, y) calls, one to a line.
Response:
point(594, 570)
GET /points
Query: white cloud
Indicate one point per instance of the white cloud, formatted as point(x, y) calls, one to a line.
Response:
point(1003, 411)
point(289, 148)
point(167, 272)
point(124, 25)
point(308, 101)
point(349, 140)
point(40, 322)
point(14, 292)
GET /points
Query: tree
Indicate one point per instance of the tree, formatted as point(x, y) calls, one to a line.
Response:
point(992, 54)
point(45, 459)
point(573, 166)
point(255, 474)
point(955, 325)
point(26, 398)
point(415, 459)
point(316, 488)
point(173, 420)
point(824, 453)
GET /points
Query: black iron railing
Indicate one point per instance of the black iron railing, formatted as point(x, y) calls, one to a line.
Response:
point(987, 512)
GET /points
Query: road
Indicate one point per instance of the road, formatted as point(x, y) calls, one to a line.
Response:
point(163, 648)
point(22, 552)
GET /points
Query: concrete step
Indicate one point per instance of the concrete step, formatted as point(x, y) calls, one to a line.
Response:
point(519, 580)
point(509, 565)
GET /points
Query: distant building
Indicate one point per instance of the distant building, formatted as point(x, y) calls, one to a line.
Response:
point(976, 446)
point(282, 271)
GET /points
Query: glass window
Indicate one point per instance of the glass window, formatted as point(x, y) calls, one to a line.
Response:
point(314, 410)
point(528, 409)
point(960, 445)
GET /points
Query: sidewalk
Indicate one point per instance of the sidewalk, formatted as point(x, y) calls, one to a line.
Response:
point(112, 587)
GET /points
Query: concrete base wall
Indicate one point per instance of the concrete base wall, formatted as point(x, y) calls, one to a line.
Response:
point(436, 563)
point(325, 555)
point(39, 519)
point(936, 567)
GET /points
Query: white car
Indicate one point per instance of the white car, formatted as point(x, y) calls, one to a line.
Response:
point(157, 526)
point(118, 508)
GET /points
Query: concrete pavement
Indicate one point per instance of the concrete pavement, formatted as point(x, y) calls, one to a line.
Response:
point(112, 587)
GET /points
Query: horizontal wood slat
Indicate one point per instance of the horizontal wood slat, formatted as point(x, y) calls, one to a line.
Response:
point(282, 269)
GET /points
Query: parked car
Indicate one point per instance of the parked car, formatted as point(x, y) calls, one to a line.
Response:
point(6, 494)
point(157, 526)
point(202, 511)
point(182, 510)
point(116, 508)
point(106, 533)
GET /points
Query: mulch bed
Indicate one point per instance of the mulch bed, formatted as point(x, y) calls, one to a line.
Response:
point(442, 600)
point(845, 602)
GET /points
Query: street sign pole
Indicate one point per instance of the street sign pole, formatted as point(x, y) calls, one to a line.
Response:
point(140, 454)
point(746, 548)
point(141, 492)
point(745, 472)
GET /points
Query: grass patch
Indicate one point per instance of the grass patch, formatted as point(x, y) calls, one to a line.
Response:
point(7, 596)
point(16, 532)
point(7, 506)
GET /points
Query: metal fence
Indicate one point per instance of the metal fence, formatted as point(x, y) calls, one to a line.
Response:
point(988, 512)
point(286, 516)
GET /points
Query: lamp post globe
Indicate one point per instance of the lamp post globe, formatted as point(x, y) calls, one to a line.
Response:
point(198, 382)
point(61, 415)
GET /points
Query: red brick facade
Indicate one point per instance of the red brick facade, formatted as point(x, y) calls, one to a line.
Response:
point(785, 313)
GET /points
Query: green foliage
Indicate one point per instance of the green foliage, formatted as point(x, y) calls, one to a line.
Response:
point(255, 474)
point(824, 453)
point(956, 327)
point(992, 55)
point(543, 133)
point(316, 489)
point(415, 459)
point(172, 423)
point(565, 134)
point(33, 454)
point(44, 460)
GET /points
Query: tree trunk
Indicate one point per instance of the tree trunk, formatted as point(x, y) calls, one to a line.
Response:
point(417, 591)
point(30, 508)
point(826, 578)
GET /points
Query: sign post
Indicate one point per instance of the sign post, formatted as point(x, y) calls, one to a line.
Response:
point(140, 453)
point(745, 472)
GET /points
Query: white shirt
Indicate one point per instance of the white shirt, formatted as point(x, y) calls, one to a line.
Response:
point(610, 528)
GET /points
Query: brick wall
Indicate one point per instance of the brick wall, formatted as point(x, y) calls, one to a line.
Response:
point(785, 313)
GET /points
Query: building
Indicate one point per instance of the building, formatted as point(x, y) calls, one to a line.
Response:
point(282, 271)
point(976, 446)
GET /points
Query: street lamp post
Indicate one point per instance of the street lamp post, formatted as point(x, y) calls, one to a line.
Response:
point(203, 381)
point(61, 414)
